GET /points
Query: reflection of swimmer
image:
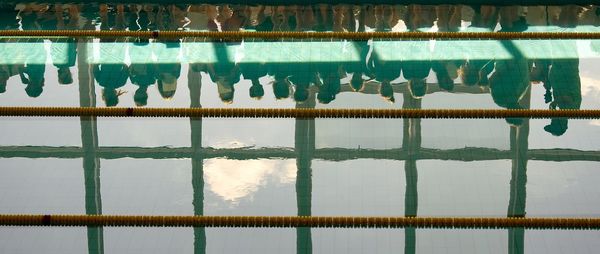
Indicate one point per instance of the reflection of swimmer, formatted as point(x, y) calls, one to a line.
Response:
point(111, 77)
point(566, 90)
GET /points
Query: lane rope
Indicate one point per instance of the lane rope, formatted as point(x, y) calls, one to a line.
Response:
point(238, 35)
point(297, 221)
point(297, 112)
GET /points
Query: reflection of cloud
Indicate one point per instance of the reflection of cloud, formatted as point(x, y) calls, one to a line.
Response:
point(233, 180)
point(595, 122)
point(230, 144)
point(590, 86)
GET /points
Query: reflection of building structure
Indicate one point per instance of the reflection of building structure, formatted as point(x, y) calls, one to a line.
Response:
point(304, 151)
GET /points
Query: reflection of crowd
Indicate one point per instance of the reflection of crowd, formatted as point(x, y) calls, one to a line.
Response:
point(508, 79)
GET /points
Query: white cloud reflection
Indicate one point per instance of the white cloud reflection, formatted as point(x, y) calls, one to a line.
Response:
point(233, 180)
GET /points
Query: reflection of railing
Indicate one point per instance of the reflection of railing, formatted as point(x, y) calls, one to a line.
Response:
point(330, 154)
point(238, 35)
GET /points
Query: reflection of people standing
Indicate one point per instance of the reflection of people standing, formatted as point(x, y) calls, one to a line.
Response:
point(8, 21)
point(386, 72)
point(142, 75)
point(253, 72)
point(508, 83)
point(32, 74)
point(111, 77)
point(566, 90)
point(7, 71)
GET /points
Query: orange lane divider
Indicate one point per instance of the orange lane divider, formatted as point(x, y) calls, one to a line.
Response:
point(297, 221)
point(296, 112)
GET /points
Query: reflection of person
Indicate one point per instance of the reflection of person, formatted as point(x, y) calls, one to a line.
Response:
point(329, 79)
point(445, 72)
point(111, 77)
point(302, 76)
point(281, 87)
point(508, 84)
point(224, 73)
point(566, 90)
point(202, 17)
point(143, 76)
point(64, 68)
point(7, 71)
point(359, 68)
point(33, 77)
point(386, 72)
point(166, 76)
point(253, 72)
point(416, 73)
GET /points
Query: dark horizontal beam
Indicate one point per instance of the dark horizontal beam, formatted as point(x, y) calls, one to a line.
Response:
point(329, 154)
point(306, 2)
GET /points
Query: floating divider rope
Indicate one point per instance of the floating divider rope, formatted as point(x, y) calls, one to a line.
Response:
point(297, 112)
point(297, 221)
point(238, 35)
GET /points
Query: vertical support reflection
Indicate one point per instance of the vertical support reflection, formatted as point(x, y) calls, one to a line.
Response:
point(411, 143)
point(519, 144)
point(195, 85)
point(304, 145)
point(89, 142)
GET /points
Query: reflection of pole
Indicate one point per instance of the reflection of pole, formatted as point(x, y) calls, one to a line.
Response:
point(518, 193)
point(89, 142)
point(411, 143)
point(195, 84)
point(304, 147)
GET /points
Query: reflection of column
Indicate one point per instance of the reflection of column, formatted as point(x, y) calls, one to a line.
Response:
point(304, 146)
point(195, 84)
point(519, 145)
point(89, 142)
point(411, 143)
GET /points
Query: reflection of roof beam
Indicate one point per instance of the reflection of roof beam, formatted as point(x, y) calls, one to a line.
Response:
point(330, 154)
